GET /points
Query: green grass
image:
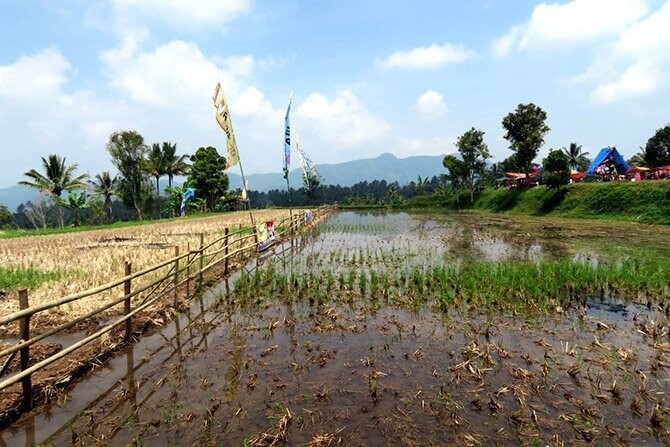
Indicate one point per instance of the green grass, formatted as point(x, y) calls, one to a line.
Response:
point(13, 278)
point(646, 202)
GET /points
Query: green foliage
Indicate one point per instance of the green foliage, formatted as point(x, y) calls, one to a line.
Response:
point(12, 278)
point(207, 175)
point(57, 176)
point(657, 149)
point(646, 201)
point(104, 186)
point(638, 159)
point(311, 183)
point(458, 172)
point(577, 159)
point(474, 152)
point(526, 129)
point(127, 150)
point(5, 217)
point(76, 202)
point(556, 169)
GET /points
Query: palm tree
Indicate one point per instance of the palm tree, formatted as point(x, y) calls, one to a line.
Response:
point(105, 187)
point(174, 164)
point(154, 165)
point(577, 157)
point(638, 159)
point(57, 178)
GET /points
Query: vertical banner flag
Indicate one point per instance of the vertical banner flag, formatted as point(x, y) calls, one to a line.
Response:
point(301, 158)
point(287, 138)
point(244, 190)
point(223, 118)
point(188, 195)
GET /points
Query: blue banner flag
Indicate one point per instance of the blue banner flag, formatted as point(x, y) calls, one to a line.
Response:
point(188, 195)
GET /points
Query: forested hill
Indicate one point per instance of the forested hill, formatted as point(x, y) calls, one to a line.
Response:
point(385, 167)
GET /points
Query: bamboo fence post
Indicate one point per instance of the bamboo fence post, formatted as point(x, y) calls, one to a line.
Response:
point(24, 328)
point(188, 270)
point(202, 253)
point(126, 302)
point(225, 264)
point(176, 274)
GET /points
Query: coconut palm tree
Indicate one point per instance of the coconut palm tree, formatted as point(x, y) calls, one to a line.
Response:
point(638, 159)
point(57, 177)
point(154, 165)
point(577, 157)
point(174, 164)
point(105, 186)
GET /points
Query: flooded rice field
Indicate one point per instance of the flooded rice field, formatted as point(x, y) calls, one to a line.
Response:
point(401, 329)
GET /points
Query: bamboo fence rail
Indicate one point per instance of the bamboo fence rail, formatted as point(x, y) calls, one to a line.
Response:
point(183, 270)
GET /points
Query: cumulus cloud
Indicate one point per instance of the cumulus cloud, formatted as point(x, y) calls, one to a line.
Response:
point(430, 57)
point(184, 14)
point(638, 63)
point(35, 77)
point(406, 147)
point(49, 118)
point(572, 22)
point(342, 121)
point(430, 104)
point(630, 57)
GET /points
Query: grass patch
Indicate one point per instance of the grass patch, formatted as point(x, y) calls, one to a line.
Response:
point(12, 278)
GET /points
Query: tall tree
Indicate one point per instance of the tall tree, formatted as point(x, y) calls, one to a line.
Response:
point(526, 129)
point(127, 150)
point(475, 153)
point(105, 186)
point(311, 182)
point(174, 164)
point(577, 157)
point(207, 175)
point(57, 177)
point(155, 166)
point(458, 173)
point(657, 149)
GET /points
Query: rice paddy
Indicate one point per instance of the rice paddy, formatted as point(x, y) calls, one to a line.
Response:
point(403, 329)
point(56, 265)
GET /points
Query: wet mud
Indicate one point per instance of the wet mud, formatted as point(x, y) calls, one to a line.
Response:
point(278, 357)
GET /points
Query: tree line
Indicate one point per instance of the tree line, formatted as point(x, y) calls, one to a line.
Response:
point(134, 192)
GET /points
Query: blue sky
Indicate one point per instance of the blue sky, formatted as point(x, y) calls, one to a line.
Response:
point(367, 76)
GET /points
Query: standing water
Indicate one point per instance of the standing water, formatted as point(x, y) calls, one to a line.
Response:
point(398, 329)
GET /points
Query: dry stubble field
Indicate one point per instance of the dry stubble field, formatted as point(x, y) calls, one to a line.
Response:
point(85, 260)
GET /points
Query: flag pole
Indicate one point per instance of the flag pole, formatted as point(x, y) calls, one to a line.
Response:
point(287, 152)
point(244, 187)
point(223, 118)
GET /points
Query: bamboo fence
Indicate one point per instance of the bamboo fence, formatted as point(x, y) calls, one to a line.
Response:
point(183, 271)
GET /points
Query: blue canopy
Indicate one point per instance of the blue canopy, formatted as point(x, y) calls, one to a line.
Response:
point(602, 157)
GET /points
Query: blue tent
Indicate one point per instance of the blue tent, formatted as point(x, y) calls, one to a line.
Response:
point(602, 157)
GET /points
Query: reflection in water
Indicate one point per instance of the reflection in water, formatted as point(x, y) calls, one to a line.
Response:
point(371, 371)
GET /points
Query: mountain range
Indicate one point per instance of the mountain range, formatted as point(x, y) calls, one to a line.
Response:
point(384, 167)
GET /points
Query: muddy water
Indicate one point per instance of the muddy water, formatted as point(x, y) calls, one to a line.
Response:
point(262, 367)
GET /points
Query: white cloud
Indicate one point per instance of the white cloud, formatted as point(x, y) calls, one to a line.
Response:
point(186, 14)
point(46, 118)
point(572, 22)
point(430, 57)
point(406, 147)
point(169, 76)
point(36, 77)
point(637, 65)
point(343, 122)
point(430, 104)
